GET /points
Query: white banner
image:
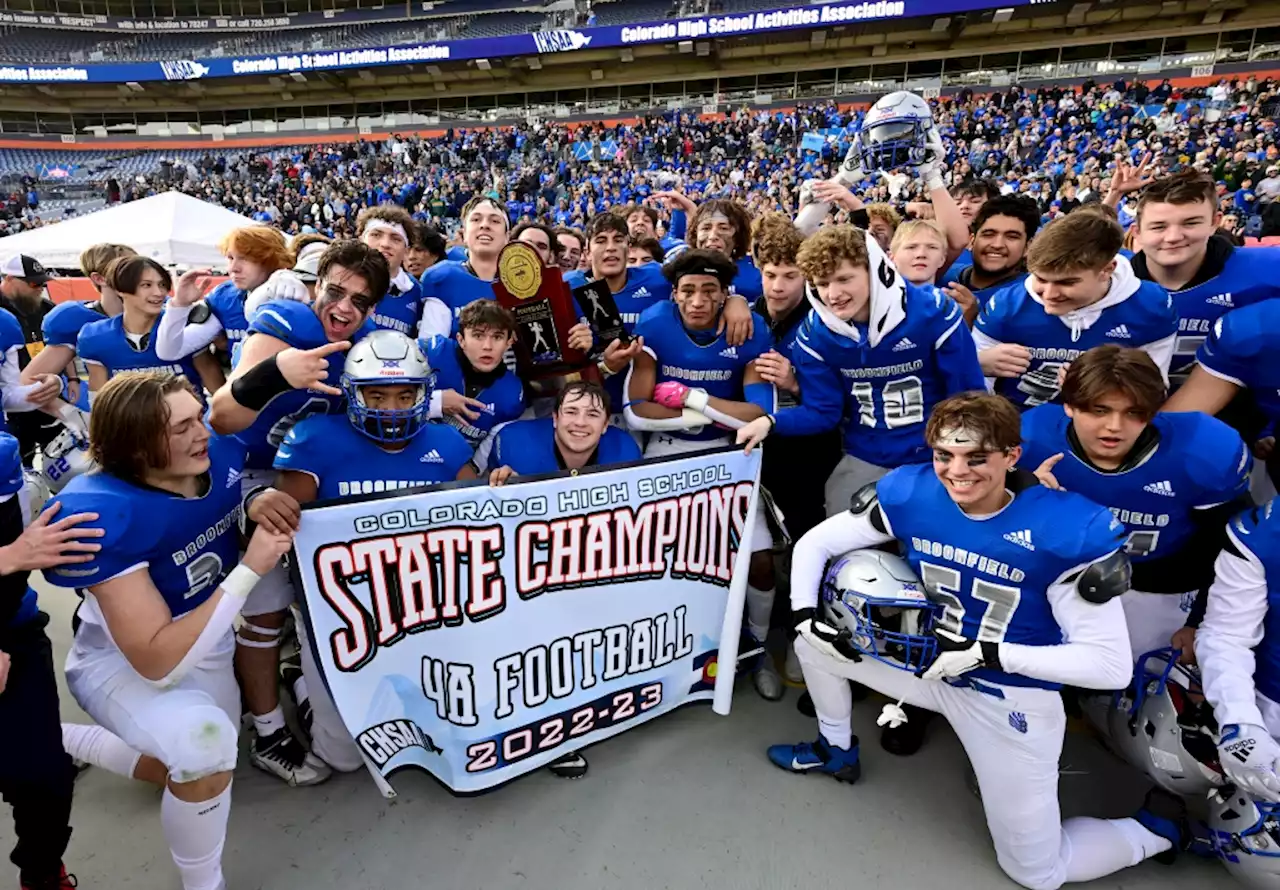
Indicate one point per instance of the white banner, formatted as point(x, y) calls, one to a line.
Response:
point(479, 633)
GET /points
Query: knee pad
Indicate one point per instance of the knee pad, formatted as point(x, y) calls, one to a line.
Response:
point(198, 739)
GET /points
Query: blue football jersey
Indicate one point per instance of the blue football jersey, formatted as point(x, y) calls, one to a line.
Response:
point(952, 272)
point(400, 309)
point(714, 366)
point(186, 544)
point(529, 447)
point(503, 398)
point(11, 338)
point(105, 343)
point(1013, 315)
point(296, 324)
point(748, 282)
point(344, 461)
point(1247, 277)
point(1242, 347)
point(885, 392)
point(453, 285)
point(1256, 533)
point(992, 575)
point(1199, 462)
point(226, 301)
point(61, 327)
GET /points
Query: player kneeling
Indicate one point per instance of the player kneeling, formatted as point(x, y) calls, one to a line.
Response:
point(152, 655)
point(383, 443)
point(1016, 569)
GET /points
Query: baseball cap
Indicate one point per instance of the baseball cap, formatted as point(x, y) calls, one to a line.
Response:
point(24, 267)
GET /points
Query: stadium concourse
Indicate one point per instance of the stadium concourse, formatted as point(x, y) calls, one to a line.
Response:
point(1059, 145)
point(645, 819)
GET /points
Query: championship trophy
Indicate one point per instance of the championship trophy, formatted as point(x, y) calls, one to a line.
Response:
point(543, 307)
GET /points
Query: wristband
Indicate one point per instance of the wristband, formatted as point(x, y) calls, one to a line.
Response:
point(239, 582)
point(259, 385)
point(605, 371)
point(245, 502)
point(773, 421)
point(696, 399)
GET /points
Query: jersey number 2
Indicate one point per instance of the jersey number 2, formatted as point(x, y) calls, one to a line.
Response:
point(903, 402)
point(943, 586)
point(203, 571)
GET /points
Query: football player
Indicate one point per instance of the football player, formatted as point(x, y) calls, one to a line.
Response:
point(484, 232)
point(287, 371)
point(903, 347)
point(36, 775)
point(642, 221)
point(1182, 250)
point(1003, 229)
point(542, 238)
point(127, 342)
point(152, 656)
point(1239, 653)
point(576, 436)
point(1027, 581)
point(1172, 480)
point(473, 390)
point(389, 229)
point(723, 225)
point(970, 197)
point(689, 386)
point(254, 254)
point(1080, 294)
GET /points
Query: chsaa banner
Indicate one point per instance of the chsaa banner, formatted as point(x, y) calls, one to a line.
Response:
point(479, 633)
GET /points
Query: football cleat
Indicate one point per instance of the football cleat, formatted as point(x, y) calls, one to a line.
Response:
point(62, 881)
point(571, 766)
point(819, 757)
point(283, 756)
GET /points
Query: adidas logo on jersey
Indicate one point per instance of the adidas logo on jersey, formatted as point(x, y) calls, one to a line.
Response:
point(1119, 331)
point(731, 352)
point(1220, 300)
point(431, 457)
point(1022, 539)
point(903, 345)
point(1163, 488)
point(641, 292)
point(233, 476)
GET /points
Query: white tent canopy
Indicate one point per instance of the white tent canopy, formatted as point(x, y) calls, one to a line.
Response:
point(172, 228)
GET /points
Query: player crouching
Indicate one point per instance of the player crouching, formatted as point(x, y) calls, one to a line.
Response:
point(1015, 570)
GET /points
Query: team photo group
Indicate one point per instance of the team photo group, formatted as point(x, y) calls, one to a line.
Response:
point(977, 458)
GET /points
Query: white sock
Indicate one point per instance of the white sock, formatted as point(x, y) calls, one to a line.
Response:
point(300, 689)
point(272, 721)
point(196, 833)
point(1095, 848)
point(94, 745)
point(759, 609)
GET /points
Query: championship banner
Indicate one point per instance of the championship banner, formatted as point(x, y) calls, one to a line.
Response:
point(478, 632)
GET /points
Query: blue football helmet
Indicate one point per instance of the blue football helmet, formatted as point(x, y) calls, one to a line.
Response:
point(1245, 834)
point(866, 592)
point(387, 358)
point(895, 133)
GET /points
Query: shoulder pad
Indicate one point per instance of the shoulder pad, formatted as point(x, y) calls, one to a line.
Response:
point(866, 502)
point(293, 322)
point(200, 313)
point(1105, 579)
point(1019, 480)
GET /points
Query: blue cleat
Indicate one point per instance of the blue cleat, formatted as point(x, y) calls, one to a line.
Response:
point(1165, 815)
point(819, 757)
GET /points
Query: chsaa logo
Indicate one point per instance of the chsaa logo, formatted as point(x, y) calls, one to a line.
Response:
point(183, 69)
point(559, 41)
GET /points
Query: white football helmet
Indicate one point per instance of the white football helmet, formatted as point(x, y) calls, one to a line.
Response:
point(895, 133)
point(1245, 834)
point(1164, 726)
point(865, 593)
point(387, 358)
point(284, 284)
point(63, 459)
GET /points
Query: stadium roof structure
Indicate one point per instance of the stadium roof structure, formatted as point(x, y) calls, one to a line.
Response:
point(172, 228)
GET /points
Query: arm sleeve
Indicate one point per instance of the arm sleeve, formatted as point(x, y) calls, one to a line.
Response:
point(841, 533)
point(437, 319)
point(13, 394)
point(1232, 627)
point(175, 339)
point(957, 355)
point(486, 451)
point(225, 613)
point(1095, 652)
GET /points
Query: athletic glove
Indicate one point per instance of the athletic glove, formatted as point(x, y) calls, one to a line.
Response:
point(832, 642)
point(1250, 758)
point(931, 170)
point(958, 656)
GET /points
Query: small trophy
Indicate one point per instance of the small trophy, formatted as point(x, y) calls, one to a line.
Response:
point(600, 309)
point(544, 312)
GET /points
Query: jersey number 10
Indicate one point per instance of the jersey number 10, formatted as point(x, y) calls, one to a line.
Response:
point(903, 402)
